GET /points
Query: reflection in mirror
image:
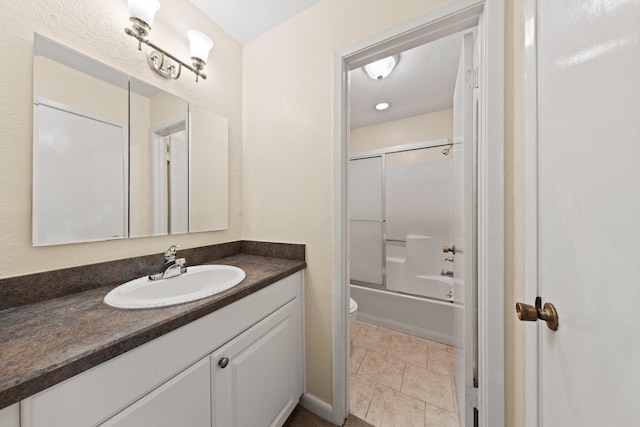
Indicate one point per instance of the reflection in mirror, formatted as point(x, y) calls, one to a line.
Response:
point(209, 165)
point(160, 162)
point(115, 158)
point(180, 152)
point(80, 141)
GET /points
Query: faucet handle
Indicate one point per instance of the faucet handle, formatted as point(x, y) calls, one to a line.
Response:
point(170, 255)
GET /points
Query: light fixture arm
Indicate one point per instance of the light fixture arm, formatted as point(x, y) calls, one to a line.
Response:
point(155, 58)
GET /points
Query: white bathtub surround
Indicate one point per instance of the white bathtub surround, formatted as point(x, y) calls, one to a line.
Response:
point(413, 267)
point(401, 217)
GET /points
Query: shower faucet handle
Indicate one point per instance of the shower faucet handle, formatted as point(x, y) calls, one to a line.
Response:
point(451, 249)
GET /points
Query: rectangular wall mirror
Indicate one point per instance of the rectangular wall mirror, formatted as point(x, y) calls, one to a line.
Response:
point(115, 157)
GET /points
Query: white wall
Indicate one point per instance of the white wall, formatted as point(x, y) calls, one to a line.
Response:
point(96, 28)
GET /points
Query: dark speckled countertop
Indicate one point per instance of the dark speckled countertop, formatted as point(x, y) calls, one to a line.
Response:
point(45, 343)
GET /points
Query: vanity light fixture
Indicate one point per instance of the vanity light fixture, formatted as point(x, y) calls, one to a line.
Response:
point(141, 14)
point(382, 106)
point(381, 68)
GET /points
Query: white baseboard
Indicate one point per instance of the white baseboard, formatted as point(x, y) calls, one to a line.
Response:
point(317, 406)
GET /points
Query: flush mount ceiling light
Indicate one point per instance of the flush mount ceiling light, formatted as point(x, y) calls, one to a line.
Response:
point(382, 106)
point(381, 68)
point(162, 62)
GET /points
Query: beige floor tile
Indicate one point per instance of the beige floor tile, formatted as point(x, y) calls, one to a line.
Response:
point(356, 356)
point(353, 332)
point(384, 361)
point(365, 325)
point(361, 391)
point(433, 344)
point(382, 370)
point(393, 333)
point(428, 386)
point(440, 361)
point(390, 408)
point(438, 417)
point(408, 351)
point(373, 340)
point(455, 394)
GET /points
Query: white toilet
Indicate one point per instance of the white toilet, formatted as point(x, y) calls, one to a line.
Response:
point(353, 312)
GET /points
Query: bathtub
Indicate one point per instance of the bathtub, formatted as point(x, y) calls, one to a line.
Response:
point(423, 317)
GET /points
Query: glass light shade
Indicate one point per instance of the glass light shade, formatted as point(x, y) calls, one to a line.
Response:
point(144, 10)
point(200, 45)
point(380, 69)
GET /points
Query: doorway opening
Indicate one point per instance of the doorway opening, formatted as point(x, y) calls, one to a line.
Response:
point(406, 200)
point(170, 177)
point(482, 388)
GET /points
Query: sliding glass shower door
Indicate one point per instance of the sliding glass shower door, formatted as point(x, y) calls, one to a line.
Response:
point(366, 204)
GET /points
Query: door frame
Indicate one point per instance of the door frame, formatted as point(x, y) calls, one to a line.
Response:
point(446, 19)
point(531, 235)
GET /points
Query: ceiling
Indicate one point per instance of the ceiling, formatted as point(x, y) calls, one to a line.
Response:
point(245, 20)
point(422, 82)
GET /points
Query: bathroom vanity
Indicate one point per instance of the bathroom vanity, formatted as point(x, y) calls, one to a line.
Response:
point(238, 359)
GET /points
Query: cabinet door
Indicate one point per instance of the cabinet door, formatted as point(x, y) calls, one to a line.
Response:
point(184, 400)
point(257, 377)
point(10, 416)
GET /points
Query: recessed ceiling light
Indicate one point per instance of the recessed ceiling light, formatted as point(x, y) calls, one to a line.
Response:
point(382, 106)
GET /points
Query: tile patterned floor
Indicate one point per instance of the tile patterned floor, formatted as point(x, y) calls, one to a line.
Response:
point(401, 380)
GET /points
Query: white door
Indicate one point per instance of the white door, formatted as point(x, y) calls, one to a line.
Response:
point(463, 226)
point(587, 258)
point(80, 181)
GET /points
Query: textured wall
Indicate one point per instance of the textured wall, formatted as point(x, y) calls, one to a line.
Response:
point(422, 128)
point(288, 163)
point(288, 145)
point(96, 28)
point(288, 157)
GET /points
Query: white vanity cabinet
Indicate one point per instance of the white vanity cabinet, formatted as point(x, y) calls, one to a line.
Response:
point(178, 380)
point(184, 400)
point(256, 377)
point(10, 416)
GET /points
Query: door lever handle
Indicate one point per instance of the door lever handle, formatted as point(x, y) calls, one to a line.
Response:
point(529, 313)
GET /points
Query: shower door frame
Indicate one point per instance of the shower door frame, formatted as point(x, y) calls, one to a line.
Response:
point(448, 18)
point(382, 152)
point(383, 221)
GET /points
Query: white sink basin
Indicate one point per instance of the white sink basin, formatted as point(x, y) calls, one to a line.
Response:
point(198, 282)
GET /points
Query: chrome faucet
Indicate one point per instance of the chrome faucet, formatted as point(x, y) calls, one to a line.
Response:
point(446, 273)
point(172, 267)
